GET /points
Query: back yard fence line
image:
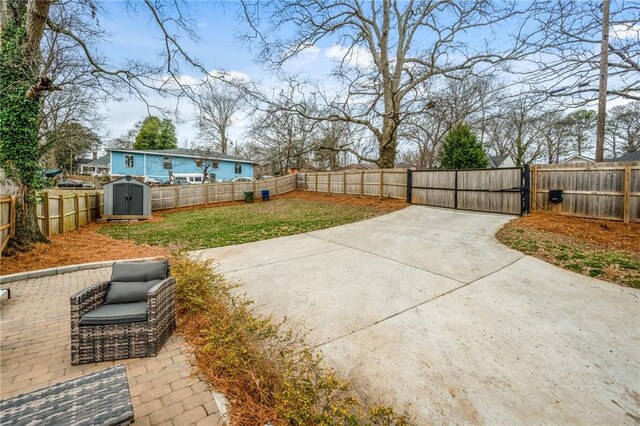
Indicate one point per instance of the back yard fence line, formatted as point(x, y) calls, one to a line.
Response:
point(389, 183)
point(171, 197)
point(66, 211)
point(598, 190)
point(7, 220)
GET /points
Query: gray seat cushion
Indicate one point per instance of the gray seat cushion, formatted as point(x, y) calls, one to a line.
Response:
point(139, 271)
point(123, 313)
point(129, 292)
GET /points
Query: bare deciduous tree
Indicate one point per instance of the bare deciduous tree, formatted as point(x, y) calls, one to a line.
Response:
point(567, 39)
point(390, 53)
point(218, 105)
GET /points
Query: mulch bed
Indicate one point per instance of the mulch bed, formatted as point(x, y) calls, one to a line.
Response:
point(602, 233)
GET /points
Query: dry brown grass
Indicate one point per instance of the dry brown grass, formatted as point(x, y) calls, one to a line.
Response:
point(268, 372)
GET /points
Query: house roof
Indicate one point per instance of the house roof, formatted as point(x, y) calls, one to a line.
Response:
point(579, 157)
point(186, 152)
point(629, 156)
point(99, 162)
point(496, 160)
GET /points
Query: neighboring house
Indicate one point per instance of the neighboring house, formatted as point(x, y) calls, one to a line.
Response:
point(182, 162)
point(500, 161)
point(578, 159)
point(96, 166)
point(359, 166)
point(629, 156)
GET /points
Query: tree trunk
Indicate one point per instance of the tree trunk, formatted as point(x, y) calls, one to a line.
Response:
point(388, 144)
point(19, 152)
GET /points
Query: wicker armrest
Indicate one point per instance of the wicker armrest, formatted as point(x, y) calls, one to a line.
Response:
point(88, 299)
point(161, 308)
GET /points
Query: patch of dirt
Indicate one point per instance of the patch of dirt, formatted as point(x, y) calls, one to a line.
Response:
point(81, 246)
point(602, 233)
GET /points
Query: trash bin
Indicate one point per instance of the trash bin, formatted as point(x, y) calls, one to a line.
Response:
point(248, 197)
point(265, 195)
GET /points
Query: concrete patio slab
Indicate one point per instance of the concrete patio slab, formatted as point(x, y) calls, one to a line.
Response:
point(424, 307)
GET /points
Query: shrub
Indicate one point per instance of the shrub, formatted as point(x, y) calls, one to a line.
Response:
point(462, 150)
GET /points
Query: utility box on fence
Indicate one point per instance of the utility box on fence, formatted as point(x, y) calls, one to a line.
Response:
point(127, 198)
point(555, 195)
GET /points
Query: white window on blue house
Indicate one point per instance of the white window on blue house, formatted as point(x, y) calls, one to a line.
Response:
point(128, 160)
point(167, 163)
point(238, 168)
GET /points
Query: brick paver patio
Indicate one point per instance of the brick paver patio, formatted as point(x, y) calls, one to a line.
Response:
point(35, 353)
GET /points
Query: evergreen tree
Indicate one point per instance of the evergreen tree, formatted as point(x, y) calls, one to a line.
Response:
point(156, 134)
point(462, 150)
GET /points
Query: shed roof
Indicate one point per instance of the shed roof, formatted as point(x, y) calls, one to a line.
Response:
point(130, 179)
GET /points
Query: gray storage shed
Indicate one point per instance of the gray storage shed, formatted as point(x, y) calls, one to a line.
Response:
point(127, 198)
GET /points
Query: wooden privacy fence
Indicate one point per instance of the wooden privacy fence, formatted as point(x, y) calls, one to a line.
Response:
point(390, 183)
point(598, 190)
point(7, 220)
point(65, 211)
point(171, 197)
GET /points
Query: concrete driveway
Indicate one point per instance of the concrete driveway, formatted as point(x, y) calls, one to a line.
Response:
point(424, 307)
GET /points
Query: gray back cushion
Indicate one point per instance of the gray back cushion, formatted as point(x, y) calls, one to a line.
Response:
point(139, 271)
point(129, 291)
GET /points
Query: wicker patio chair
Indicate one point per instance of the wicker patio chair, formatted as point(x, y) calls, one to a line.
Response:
point(110, 321)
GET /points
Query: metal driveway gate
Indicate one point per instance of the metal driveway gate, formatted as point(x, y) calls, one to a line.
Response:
point(504, 190)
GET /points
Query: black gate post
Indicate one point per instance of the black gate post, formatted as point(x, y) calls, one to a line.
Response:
point(525, 190)
point(409, 185)
point(455, 192)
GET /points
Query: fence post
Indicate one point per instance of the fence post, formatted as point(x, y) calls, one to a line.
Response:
point(344, 183)
point(525, 190)
point(362, 183)
point(627, 194)
point(87, 206)
point(381, 181)
point(12, 217)
point(455, 191)
point(305, 182)
point(276, 185)
point(233, 192)
point(409, 185)
point(534, 189)
point(316, 181)
point(47, 218)
point(76, 204)
point(329, 183)
point(177, 197)
point(206, 193)
point(61, 211)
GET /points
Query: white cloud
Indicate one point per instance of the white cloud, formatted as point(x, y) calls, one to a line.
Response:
point(309, 53)
point(623, 31)
point(230, 75)
point(357, 56)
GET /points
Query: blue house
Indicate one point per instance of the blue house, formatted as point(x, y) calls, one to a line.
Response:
point(182, 162)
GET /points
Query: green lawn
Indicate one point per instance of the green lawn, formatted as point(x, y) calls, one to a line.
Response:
point(222, 226)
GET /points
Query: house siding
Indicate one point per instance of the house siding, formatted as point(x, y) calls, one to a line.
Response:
point(152, 166)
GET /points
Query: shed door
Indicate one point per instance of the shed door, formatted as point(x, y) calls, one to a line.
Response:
point(120, 199)
point(136, 198)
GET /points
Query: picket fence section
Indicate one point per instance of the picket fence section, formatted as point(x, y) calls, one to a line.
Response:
point(7, 220)
point(597, 190)
point(383, 183)
point(64, 211)
point(171, 197)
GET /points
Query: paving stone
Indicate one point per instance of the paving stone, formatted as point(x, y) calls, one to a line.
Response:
point(34, 353)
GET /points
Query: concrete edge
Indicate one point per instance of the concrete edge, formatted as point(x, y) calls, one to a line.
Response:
point(65, 269)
